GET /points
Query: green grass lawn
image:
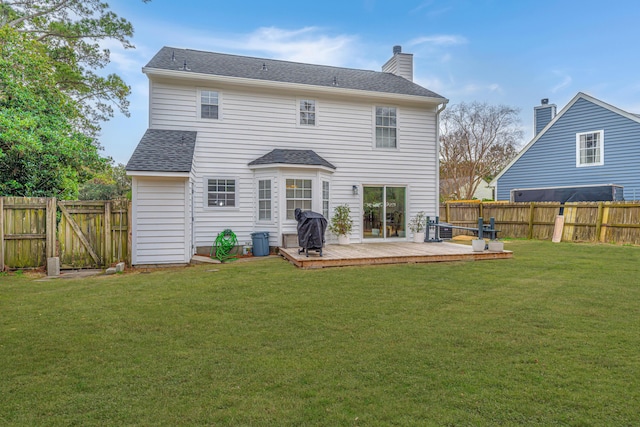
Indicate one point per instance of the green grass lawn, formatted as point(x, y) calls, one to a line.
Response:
point(550, 337)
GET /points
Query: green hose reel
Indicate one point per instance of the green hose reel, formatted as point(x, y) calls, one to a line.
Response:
point(224, 245)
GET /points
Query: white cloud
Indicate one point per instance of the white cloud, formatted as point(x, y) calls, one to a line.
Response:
point(439, 40)
point(566, 81)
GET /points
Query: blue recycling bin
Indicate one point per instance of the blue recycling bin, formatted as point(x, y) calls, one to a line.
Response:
point(260, 243)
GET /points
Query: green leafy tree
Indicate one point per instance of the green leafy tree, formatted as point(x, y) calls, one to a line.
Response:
point(111, 184)
point(72, 31)
point(43, 151)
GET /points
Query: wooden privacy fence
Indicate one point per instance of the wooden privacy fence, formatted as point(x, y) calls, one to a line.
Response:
point(83, 234)
point(607, 222)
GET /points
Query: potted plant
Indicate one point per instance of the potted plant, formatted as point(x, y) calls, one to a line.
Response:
point(417, 225)
point(341, 223)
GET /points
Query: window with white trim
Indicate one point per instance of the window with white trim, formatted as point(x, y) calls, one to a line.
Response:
point(386, 127)
point(325, 199)
point(298, 195)
point(209, 104)
point(264, 200)
point(590, 148)
point(221, 193)
point(307, 110)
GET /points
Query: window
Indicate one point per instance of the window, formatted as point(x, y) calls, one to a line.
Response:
point(221, 192)
point(590, 148)
point(386, 132)
point(325, 199)
point(264, 200)
point(308, 112)
point(209, 103)
point(298, 196)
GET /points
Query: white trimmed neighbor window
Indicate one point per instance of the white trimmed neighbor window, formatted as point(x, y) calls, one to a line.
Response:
point(386, 127)
point(307, 112)
point(221, 193)
point(209, 104)
point(264, 200)
point(590, 148)
point(299, 195)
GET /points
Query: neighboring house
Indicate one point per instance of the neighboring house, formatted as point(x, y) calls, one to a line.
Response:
point(589, 143)
point(449, 190)
point(239, 143)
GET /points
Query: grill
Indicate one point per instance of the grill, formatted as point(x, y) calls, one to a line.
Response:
point(311, 228)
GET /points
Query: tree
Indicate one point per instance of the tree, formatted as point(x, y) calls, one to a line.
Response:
point(111, 184)
point(476, 141)
point(42, 151)
point(71, 31)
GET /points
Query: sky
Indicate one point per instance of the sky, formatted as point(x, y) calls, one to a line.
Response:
point(502, 52)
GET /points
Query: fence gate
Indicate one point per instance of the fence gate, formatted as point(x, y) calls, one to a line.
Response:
point(92, 234)
point(83, 234)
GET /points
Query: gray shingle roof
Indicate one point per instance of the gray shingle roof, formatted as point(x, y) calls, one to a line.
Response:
point(292, 157)
point(220, 64)
point(164, 151)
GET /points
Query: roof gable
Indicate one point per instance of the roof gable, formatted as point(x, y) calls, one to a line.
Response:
point(163, 151)
point(579, 95)
point(219, 64)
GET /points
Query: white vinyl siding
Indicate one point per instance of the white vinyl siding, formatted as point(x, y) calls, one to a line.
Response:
point(590, 148)
point(161, 233)
point(255, 122)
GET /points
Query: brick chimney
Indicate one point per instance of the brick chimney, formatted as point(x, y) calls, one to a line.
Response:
point(542, 115)
point(400, 64)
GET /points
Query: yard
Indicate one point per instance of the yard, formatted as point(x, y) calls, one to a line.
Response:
point(549, 337)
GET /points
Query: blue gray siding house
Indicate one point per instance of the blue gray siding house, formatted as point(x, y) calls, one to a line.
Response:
point(588, 143)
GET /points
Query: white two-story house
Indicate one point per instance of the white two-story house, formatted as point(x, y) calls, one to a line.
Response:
point(239, 143)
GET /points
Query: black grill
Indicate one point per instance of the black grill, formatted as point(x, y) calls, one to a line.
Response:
point(311, 229)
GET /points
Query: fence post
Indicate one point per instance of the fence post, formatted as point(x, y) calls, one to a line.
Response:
point(1, 233)
point(107, 234)
point(448, 210)
point(531, 217)
point(50, 227)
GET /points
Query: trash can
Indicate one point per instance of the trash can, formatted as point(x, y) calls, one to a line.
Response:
point(260, 243)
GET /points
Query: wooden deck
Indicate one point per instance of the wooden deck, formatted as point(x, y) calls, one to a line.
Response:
point(388, 253)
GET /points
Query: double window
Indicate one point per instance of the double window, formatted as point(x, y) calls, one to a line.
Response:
point(209, 104)
point(298, 195)
point(590, 148)
point(386, 127)
point(307, 112)
point(221, 193)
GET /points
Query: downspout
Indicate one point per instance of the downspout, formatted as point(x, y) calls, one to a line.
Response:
point(440, 110)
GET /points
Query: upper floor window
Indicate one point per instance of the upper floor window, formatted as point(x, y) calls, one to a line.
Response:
point(307, 112)
point(221, 192)
point(590, 148)
point(209, 104)
point(386, 130)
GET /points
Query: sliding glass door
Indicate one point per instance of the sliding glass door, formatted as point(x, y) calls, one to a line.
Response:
point(384, 212)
